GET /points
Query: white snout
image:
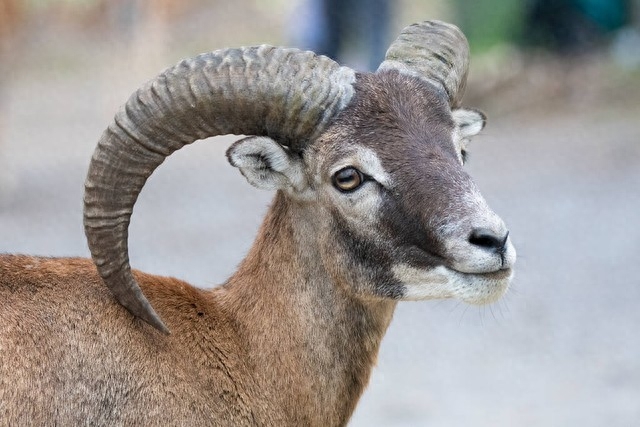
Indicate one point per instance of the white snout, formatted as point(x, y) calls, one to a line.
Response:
point(468, 256)
point(444, 282)
point(478, 240)
point(477, 274)
point(479, 262)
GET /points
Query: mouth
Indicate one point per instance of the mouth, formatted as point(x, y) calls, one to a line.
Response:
point(480, 282)
point(483, 288)
point(444, 282)
point(501, 274)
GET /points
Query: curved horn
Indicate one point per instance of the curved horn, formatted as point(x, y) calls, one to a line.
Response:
point(286, 94)
point(435, 51)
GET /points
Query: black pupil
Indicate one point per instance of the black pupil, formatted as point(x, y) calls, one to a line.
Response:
point(347, 179)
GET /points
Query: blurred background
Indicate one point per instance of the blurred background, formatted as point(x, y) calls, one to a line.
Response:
point(559, 161)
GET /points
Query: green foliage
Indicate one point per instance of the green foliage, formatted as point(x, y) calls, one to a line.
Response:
point(490, 22)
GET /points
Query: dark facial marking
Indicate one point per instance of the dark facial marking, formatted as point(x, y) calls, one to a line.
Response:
point(408, 124)
point(372, 258)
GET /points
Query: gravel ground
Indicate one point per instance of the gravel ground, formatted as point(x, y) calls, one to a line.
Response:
point(561, 349)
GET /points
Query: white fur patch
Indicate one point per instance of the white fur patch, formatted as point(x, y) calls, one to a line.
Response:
point(361, 206)
point(455, 232)
point(442, 282)
point(266, 164)
point(423, 284)
point(469, 122)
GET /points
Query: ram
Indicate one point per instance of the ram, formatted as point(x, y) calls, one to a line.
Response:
point(373, 207)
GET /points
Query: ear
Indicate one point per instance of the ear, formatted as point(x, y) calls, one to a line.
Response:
point(469, 122)
point(266, 164)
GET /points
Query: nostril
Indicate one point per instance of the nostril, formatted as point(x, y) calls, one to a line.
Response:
point(488, 239)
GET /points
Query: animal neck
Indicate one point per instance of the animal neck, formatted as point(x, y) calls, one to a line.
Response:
point(320, 340)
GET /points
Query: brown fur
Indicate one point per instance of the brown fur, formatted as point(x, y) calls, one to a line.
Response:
point(228, 360)
point(289, 340)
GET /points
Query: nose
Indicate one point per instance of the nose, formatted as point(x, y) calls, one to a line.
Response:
point(489, 240)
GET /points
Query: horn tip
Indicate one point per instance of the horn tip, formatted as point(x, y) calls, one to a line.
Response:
point(148, 314)
point(138, 305)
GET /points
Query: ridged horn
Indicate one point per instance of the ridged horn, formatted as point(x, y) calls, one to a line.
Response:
point(285, 94)
point(435, 51)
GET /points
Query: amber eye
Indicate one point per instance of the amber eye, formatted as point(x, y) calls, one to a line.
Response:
point(348, 179)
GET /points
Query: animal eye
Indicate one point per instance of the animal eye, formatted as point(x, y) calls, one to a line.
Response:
point(465, 156)
point(348, 179)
